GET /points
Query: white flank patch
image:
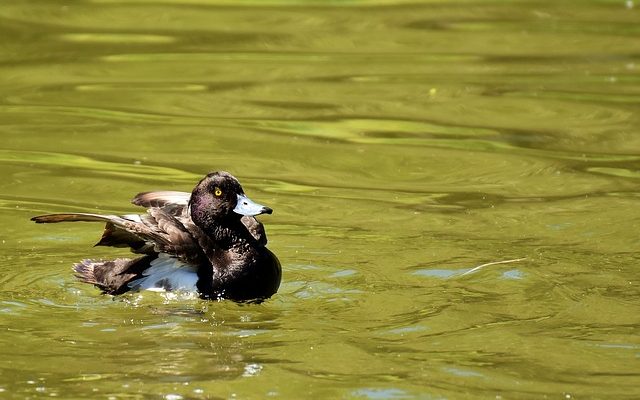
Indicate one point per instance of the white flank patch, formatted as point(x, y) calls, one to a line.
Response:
point(167, 273)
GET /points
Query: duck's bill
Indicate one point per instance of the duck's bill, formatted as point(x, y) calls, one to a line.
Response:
point(248, 207)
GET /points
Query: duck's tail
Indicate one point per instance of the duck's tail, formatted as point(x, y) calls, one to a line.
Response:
point(85, 270)
point(112, 276)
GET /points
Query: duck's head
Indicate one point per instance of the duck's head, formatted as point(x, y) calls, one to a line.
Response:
point(218, 196)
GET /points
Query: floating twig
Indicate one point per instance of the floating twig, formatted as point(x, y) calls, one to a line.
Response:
point(474, 269)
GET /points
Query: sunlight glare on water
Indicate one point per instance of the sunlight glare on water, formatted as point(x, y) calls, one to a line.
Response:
point(400, 144)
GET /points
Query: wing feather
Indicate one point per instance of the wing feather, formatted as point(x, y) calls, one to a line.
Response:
point(158, 231)
point(161, 198)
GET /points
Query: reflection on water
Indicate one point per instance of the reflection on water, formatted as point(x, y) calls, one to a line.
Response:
point(400, 145)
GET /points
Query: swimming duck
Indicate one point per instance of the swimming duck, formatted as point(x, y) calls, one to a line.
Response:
point(207, 241)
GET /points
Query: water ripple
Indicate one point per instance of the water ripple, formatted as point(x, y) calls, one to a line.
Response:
point(134, 170)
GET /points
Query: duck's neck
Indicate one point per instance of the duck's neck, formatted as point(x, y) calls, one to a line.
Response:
point(220, 228)
point(228, 233)
point(231, 254)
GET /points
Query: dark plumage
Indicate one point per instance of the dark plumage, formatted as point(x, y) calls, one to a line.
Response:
point(208, 241)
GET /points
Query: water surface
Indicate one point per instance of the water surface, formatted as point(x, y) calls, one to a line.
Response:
point(400, 145)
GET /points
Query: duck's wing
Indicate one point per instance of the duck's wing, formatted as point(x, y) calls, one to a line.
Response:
point(156, 232)
point(161, 199)
point(125, 231)
point(174, 203)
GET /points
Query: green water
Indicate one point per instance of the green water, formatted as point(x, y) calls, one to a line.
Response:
point(400, 145)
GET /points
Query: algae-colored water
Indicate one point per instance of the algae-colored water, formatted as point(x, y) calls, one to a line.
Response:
point(400, 145)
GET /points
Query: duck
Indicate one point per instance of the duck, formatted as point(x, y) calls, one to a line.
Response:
point(207, 242)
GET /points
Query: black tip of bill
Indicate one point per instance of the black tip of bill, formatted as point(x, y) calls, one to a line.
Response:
point(248, 207)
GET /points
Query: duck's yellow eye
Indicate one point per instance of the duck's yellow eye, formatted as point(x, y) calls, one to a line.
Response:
point(217, 191)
